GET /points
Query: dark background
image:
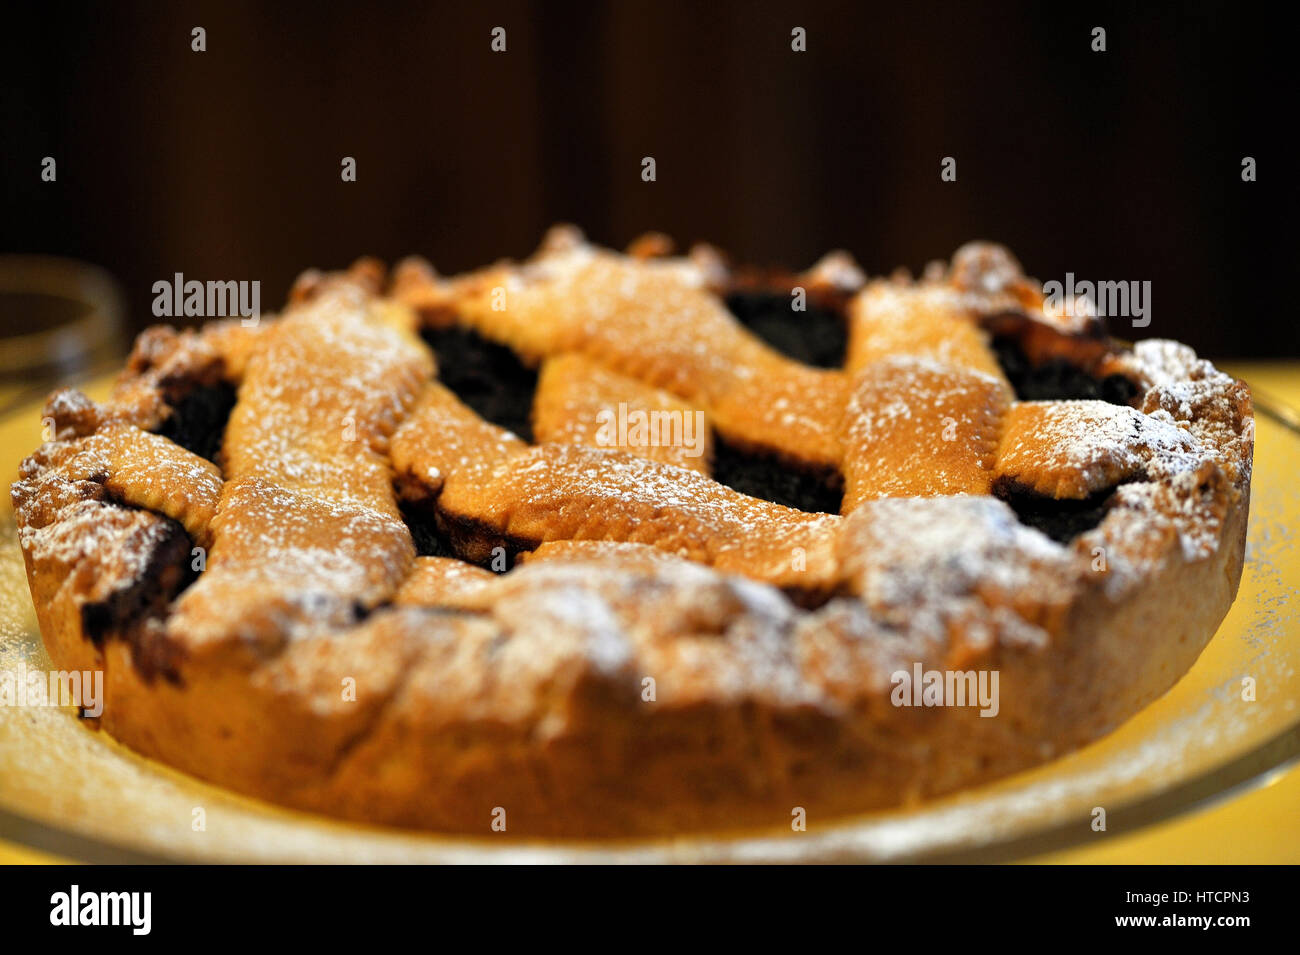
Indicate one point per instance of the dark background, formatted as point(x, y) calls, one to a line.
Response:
point(225, 164)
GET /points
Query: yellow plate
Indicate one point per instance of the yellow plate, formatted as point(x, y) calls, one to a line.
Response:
point(71, 791)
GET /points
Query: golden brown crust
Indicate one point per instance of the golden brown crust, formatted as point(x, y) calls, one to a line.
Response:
point(637, 672)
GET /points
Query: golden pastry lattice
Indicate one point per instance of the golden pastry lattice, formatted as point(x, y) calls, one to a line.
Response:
point(338, 399)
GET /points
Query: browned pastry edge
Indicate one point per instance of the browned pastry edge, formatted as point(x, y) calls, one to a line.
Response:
point(528, 696)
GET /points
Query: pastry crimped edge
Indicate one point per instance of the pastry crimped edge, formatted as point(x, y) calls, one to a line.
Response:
point(774, 706)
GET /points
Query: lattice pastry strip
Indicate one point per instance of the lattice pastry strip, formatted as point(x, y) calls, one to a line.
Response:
point(442, 436)
point(927, 401)
point(915, 428)
point(148, 471)
point(1077, 448)
point(890, 319)
point(558, 492)
point(580, 402)
point(308, 527)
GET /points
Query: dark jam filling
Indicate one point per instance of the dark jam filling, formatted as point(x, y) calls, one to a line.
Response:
point(436, 535)
point(198, 421)
point(1061, 520)
point(1058, 380)
point(487, 377)
point(817, 336)
point(167, 571)
point(766, 477)
point(429, 539)
point(130, 610)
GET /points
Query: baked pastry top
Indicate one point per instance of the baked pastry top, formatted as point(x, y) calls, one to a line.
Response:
point(608, 544)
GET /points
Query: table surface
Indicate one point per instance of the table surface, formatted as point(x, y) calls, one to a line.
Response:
point(1261, 824)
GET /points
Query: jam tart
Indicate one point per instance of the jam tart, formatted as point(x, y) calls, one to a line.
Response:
point(388, 557)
